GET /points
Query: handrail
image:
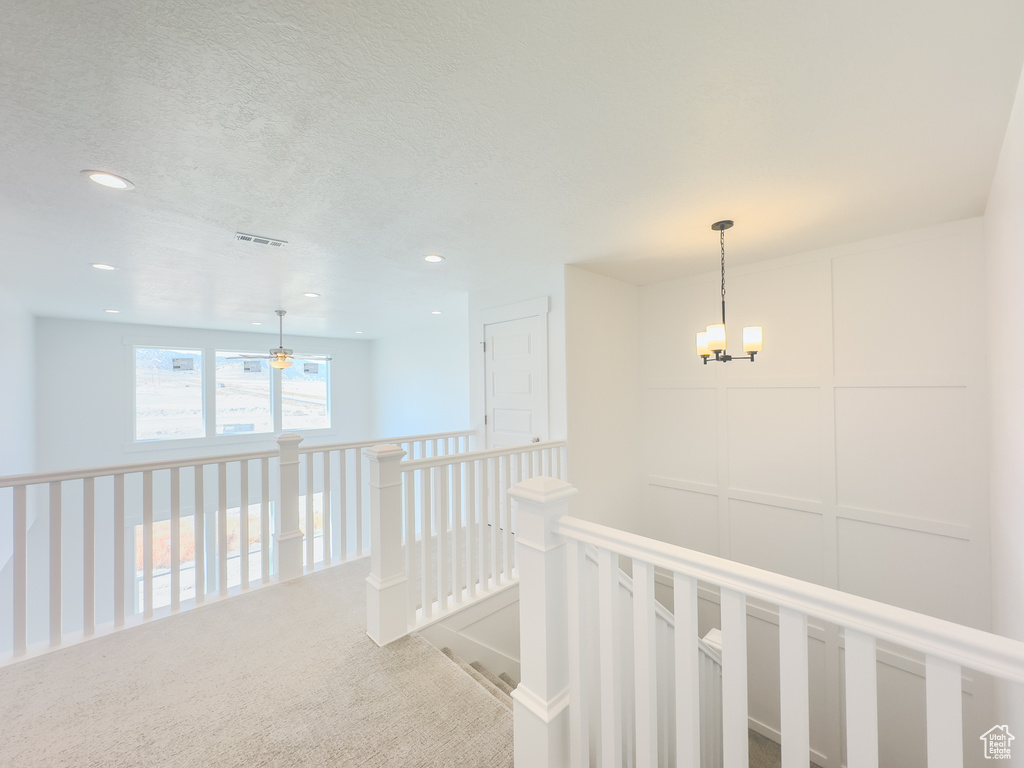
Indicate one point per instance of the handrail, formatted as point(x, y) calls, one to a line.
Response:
point(973, 648)
point(439, 461)
point(127, 469)
point(40, 478)
point(388, 440)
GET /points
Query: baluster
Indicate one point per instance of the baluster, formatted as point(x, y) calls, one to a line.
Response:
point(535, 463)
point(645, 665)
point(119, 589)
point(222, 527)
point(425, 523)
point(343, 504)
point(56, 563)
point(265, 520)
point(611, 680)
point(494, 511)
point(310, 525)
point(359, 504)
point(147, 544)
point(563, 464)
point(325, 508)
point(944, 712)
point(472, 538)
point(88, 556)
point(409, 483)
point(687, 668)
point(456, 496)
point(734, 679)
point(793, 696)
point(199, 521)
point(175, 539)
point(439, 447)
point(441, 520)
point(243, 523)
point(579, 650)
point(546, 462)
point(506, 508)
point(861, 701)
point(19, 563)
point(485, 527)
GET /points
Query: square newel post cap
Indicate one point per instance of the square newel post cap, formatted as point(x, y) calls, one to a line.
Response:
point(384, 452)
point(289, 439)
point(540, 502)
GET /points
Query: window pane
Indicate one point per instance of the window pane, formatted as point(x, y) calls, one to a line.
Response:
point(304, 389)
point(168, 394)
point(243, 395)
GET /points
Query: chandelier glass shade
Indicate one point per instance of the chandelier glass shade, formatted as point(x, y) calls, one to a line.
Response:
point(712, 341)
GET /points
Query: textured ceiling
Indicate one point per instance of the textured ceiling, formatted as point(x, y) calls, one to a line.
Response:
point(505, 136)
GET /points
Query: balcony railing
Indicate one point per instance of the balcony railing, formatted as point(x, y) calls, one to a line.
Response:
point(573, 706)
point(93, 550)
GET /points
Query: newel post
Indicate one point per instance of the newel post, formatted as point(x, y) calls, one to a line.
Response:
point(541, 709)
point(386, 586)
point(288, 537)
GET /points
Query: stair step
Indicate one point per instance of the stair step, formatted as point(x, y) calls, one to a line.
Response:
point(487, 685)
point(508, 679)
point(495, 680)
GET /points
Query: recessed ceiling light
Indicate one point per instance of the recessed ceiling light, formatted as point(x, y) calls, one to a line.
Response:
point(311, 295)
point(109, 180)
point(257, 323)
point(112, 311)
point(433, 258)
point(436, 312)
point(358, 331)
point(106, 267)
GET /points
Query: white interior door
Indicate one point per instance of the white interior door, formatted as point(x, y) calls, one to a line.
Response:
point(516, 373)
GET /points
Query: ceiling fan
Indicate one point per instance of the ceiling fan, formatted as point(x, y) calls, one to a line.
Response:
point(280, 357)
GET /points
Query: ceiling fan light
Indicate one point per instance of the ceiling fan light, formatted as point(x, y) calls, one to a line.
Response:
point(751, 339)
point(280, 362)
point(716, 337)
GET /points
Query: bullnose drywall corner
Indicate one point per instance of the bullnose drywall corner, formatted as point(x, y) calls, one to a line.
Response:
point(1004, 256)
point(602, 360)
point(17, 389)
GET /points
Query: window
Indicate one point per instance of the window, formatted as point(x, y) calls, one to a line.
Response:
point(243, 395)
point(304, 401)
point(168, 394)
point(183, 393)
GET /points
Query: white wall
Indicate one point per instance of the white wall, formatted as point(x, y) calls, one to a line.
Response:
point(549, 282)
point(84, 390)
point(1004, 245)
point(420, 378)
point(17, 389)
point(852, 454)
point(602, 350)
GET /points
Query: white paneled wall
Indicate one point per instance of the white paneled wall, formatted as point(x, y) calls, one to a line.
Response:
point(851, 454)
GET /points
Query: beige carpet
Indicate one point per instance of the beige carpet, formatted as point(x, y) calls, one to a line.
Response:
point(284, 676)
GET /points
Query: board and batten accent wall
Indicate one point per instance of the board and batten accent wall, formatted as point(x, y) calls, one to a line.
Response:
point(852, 454)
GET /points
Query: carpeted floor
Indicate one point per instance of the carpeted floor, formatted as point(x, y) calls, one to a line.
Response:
point(284, 676)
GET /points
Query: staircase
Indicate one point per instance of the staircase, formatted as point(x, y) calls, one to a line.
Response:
point(499, 686)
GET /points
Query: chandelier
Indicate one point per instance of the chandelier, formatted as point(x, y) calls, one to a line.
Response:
point(713, 338)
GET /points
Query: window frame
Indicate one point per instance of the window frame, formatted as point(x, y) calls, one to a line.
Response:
point(208, 356)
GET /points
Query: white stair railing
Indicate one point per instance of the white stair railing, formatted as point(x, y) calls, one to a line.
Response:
point(128, 543)
point(556, 691)
point(447, 536)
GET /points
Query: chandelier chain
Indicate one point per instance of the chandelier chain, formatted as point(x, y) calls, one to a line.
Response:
point(722, 234)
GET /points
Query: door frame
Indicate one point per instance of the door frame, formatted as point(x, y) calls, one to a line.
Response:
point(539, 306)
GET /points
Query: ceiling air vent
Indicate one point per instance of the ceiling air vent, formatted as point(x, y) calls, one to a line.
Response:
point(259, 240)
